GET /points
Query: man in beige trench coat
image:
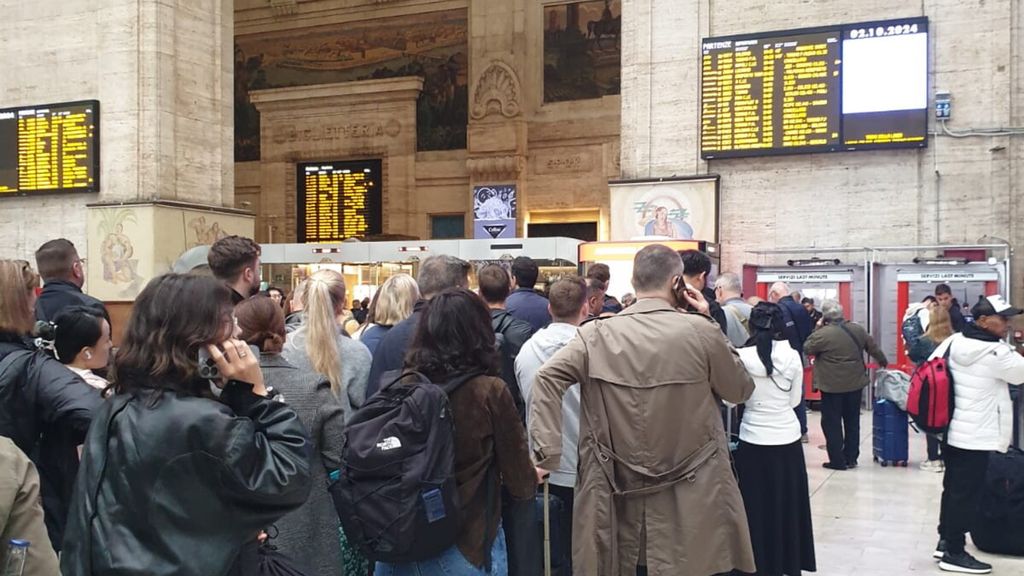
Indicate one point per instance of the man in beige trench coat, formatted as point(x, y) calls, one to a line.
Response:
point(655, 485)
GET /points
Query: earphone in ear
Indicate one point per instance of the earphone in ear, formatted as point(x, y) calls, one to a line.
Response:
point(88, 355)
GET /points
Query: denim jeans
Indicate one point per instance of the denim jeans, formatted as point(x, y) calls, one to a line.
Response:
point(451, 562)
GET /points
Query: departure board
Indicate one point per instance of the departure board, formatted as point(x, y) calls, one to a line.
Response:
point(339, 200)
point(50, 148)
point(849, 87)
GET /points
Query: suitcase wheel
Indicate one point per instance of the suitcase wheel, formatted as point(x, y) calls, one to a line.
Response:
point(884, 464)
point(904, 464)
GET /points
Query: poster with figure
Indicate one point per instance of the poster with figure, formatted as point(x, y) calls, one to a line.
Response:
point(494, 211)
point(671, 209)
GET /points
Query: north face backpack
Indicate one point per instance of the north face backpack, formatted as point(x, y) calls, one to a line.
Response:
point(395, 491)
point(911, 331)
point(930, 401)
point(17, 412)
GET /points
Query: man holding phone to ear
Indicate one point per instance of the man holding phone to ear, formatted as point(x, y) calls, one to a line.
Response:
point(650, 429)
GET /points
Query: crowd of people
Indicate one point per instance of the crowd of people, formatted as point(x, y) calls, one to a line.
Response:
point(215, 435)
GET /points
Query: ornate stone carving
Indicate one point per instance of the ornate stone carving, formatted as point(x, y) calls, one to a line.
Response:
point(497, 91)
point(284, 7)
point(495, 166)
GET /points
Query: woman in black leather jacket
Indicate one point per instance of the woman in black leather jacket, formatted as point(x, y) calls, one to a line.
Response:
point(174, 479)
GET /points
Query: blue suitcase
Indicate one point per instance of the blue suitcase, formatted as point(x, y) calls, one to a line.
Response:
point(890, 437)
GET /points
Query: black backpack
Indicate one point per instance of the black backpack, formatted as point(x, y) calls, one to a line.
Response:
point(509, 351)
point(395, 492)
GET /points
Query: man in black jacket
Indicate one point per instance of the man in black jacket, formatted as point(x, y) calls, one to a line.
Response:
point(511, 332)
point(798, 328)
point(696, 267)
point(63, 274)
point(436, 274)
point(944, 296)
point(235, 261)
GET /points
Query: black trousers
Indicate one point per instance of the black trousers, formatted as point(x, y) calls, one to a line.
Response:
point(840, 421)
point(567, 495)
point(934, 452)
point(962, 486)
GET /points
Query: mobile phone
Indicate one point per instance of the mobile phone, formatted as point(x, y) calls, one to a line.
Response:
point(208, 368)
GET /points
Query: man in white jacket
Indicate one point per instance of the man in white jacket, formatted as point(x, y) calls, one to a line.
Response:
point(569, 307)
point(982, 365)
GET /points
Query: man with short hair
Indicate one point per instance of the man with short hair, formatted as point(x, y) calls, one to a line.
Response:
point(808, 304)
point(596, 290)
point(63, 274)
point(648, 380)
point(982, 366)
point(511, 332)
point(729, 292)
point(568, 306)
point(235, 261)
point(944, 296)
point(696, 268)
point(436, 274)
point(603, 274)
point(525, 302)
point(797, 329)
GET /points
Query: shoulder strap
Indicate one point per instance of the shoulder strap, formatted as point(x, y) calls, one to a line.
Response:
point(860, 347)
point(454, 384)
point(737, 316)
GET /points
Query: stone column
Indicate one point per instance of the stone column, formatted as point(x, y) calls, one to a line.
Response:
point(163, 73)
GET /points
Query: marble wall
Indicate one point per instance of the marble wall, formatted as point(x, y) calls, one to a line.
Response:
point(958, 190)
point(560, 155)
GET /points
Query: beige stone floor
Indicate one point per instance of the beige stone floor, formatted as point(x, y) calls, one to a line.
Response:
point(875, 521)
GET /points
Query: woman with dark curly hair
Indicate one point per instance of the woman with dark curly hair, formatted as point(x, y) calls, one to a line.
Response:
point(182, 467)
point(454, 338)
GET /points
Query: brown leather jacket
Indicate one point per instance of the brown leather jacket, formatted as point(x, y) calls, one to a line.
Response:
point(490, 448)
point(21, 515)
point(655, 484)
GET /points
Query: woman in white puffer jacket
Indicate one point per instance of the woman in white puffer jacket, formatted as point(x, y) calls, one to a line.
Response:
point(982, 366)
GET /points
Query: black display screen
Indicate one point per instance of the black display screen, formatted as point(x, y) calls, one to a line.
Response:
point(339, 200)
point(852, 87)
point(50, 148)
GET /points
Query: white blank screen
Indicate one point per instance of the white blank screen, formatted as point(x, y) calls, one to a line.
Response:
point(885, 74)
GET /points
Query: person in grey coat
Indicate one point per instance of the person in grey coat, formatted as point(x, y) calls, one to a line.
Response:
point(321, 346)
point(310, 534)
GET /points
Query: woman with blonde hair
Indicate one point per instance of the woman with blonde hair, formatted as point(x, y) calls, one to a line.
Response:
point(52, 407)
point(322, 346)
point(940, 328)
point(392, 303)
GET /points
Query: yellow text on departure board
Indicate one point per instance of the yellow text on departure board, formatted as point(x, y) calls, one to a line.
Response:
point(337, 203)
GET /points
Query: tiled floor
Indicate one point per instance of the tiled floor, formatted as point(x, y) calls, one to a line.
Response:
point(875, 521)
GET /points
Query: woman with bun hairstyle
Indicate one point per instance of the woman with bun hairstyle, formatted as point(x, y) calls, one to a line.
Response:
point(311, 532)
point(81, 341)
point(770, 458)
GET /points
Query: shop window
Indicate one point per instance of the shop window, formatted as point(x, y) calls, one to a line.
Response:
point(585, 231)
point(447, 226)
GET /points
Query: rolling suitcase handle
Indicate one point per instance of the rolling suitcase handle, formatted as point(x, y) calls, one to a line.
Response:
point(547, 529)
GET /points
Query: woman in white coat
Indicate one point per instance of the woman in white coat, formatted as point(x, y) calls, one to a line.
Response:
point(982, 365)
point(770, 457)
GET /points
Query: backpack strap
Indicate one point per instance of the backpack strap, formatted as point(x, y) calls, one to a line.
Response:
point(454, 384)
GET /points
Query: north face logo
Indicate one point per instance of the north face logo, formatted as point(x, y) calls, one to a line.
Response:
point(389, 443)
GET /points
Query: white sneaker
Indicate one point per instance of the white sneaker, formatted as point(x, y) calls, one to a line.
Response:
point(933, 466)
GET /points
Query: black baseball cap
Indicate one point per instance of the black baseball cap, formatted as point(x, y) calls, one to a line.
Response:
point(994, 306)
